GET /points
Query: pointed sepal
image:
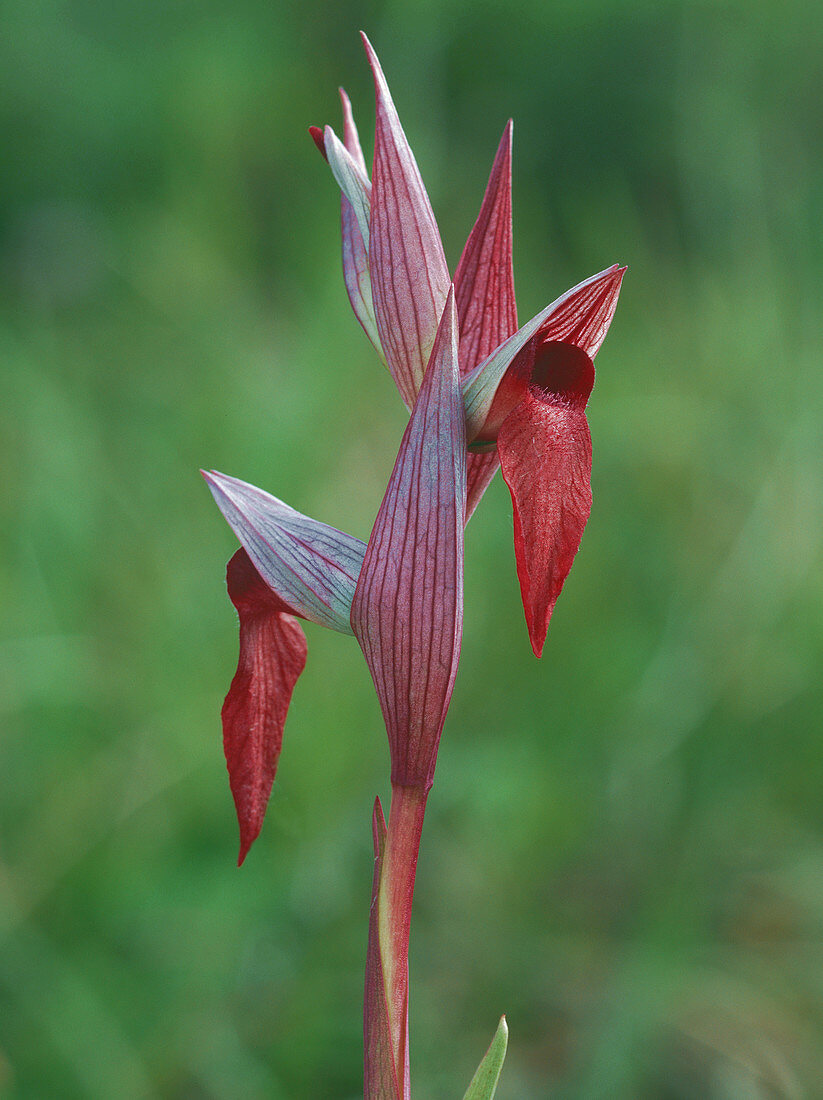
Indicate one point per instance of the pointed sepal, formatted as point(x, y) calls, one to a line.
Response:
point(484, 280)
point(409, 275)
point(312, 567)
point(351, 179)
point(484, 1083)
point(355, 246)
point(272, 656)
point(407, 612)
point(484, 291)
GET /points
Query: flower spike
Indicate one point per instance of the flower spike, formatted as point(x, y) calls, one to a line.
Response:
point(272, 656)
point(410, 279)
point(484, 291)
point(407, 612)
point(312, 567)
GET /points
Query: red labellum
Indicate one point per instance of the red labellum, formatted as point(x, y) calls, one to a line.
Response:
point(546, 456)
point(272, 656)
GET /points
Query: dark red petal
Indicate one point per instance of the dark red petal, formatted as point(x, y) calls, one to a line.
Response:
point(484, 280)
point(546, 455)
point(272, 656)
point(410, 279)
point(407, 611)
point(380, 1073)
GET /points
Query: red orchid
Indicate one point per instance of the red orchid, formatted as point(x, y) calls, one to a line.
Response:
point(525, 390)
point(482, 393)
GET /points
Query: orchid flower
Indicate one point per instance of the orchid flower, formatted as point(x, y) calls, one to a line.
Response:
point(525, 390)
point(481, 393)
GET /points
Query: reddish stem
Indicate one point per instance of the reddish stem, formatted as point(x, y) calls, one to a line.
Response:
point(408, 807)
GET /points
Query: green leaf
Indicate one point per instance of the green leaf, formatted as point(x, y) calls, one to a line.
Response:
point(484, 1082)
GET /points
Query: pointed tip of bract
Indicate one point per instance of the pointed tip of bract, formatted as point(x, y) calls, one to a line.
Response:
point(212, 479)
point(216, 483)
point(502, 164)
point(376, 67)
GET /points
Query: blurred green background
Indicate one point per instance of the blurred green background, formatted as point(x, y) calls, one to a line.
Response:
point(624, 847)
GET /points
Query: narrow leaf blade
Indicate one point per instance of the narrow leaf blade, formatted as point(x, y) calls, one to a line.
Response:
point(484, 1083)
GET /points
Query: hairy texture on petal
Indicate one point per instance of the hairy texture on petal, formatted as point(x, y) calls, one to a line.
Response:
point(380, 1074)
point(272, 656)
point(410, 279)
point(407, 612)
point(311, 566)
point(581, 316)
point(546, 455)
point(484, 291)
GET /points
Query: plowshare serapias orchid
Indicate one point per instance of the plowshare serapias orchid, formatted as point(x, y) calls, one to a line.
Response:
point(482, 393)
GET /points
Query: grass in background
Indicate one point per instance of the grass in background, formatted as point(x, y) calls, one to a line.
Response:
point(625, 841)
